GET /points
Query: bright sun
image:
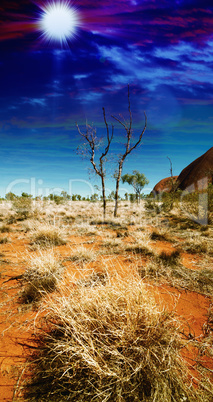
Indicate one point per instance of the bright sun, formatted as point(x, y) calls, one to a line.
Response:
point(58, 21)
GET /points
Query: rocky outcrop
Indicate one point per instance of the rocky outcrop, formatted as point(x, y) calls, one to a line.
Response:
point(197, 175)
point(164, 185)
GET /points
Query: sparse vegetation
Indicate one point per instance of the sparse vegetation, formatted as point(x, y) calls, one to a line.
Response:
point(5, 229)
point(169, 258)
point(175, 274)
point(100, 281)
point(195, 244)
point(47, 236)
point(162, 236)
point(41, 276)
point(140, 249)
point(82, 254)
point(94, 279)
point(3, 240)
point(22, 207)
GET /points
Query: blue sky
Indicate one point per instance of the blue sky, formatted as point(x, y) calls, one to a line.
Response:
point(162, 49)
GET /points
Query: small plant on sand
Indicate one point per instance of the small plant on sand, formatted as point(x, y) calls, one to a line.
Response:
point(108, 343)
point(152, 205)
point(160, 235)
point(5, 229)
point(140, 249)
point(141, 244)
point(94, 279)
point(3, 240)
point(196, 244)
point(168, 269)
point(82, 254)
point(23, 208)
point(169, 258)
point(40, 277)
point(47, 236)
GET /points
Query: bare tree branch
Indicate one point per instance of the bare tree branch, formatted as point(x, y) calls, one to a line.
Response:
point(128, 147)
point(92, 141)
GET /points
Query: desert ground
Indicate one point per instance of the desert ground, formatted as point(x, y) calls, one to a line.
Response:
point(53, 256)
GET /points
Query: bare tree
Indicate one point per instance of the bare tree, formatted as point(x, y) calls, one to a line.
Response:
point(129, 147)
point(172, 177)
point(92, 143)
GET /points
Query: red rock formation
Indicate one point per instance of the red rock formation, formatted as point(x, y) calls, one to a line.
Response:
point(164, 185)
point(197, 174)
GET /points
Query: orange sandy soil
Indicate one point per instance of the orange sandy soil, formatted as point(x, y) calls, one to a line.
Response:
point(190, 307)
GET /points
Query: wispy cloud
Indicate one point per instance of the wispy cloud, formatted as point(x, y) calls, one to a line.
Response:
point(34, 101)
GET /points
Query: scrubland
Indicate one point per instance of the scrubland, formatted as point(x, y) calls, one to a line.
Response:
point(116, 310)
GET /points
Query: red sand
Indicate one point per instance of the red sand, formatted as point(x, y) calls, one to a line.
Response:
point(191, 307)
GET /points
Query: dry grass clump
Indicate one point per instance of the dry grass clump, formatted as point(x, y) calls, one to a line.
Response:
point(108, 343)
point(175, 274)
point(172, 258)
point(113, 224)
point(85, 229)
point(140, 249)
point(112, 245)
point(141, 244)
point(122, 233)
point(94, 279)
point(82, 254)
point(161, 235)
point(40, 277)
point(47, 236)
point(5, 229)
point(142, 237)
point(196, 244)
point(3, 240)
point(30, 225)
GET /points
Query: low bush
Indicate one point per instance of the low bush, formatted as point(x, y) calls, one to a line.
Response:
point(23, 208)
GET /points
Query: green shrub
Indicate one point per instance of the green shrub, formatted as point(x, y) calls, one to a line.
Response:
point(151, 205)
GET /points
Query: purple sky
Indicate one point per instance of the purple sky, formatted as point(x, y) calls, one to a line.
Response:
point(162, 49)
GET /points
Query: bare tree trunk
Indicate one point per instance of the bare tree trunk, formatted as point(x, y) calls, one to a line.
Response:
point(128, 147)
point(138, 198)
point(171, 174)
point(117, 186)
point(104, 197)
point(92, 142)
